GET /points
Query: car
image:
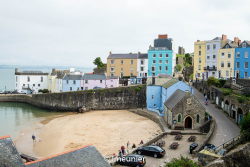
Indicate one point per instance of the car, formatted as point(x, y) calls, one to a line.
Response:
point(209, 147)
point(132, 160)
point(154, 151)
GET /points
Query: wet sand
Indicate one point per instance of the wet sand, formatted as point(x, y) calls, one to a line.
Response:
point(106, 130)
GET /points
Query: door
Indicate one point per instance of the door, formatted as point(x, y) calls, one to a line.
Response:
point(188, 123)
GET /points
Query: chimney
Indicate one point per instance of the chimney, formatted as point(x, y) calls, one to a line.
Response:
point(224, 37)
point(236, 40)
point(139, 53)
point(163, 36)
point(198, 40)
point(16, 70)
point(110, 53)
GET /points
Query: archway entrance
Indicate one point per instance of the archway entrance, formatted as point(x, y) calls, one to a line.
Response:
point(188, 123)
point(240, 115)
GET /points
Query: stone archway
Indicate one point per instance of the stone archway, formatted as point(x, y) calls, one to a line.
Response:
point(188, 122)
point(239, 115)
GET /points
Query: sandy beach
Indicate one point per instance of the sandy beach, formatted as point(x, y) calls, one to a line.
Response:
point(106, 130)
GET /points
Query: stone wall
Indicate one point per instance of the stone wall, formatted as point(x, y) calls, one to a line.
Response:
point(100, 99)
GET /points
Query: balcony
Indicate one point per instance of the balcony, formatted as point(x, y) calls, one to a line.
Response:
point(210, 68)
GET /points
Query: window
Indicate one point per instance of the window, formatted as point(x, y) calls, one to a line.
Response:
point(121, 61)
point(38, 85)
point(160, 55)
point(23, 84)
point(34, 84)
point(112, 61)
point(74, 82)
point(86, 81)
point(179, 117)
point(199, 67)
point(199, 47)
point(208, 47)
point(199, 60)
point(132, 62)
point(121, 69)
point(100, 81)
point(154, 55)
point(237, 64)
point(111, 86)
point(246, 64)
point(199, 53)
point(166, 68)
point(78, 88)
point(153, 68)
point(153, 74)
point(245, 74)
point(228, 64)
point(142, 68)
point(213, 73)
point(67, 81)
point(214, 56)
point(246, 55)
point(214, 46)
point(70, 88)
point(160, 61)
point(160, 68)
point(142, 62)
point(41, 79)
point(86, 88)
point(166, 61)
point(28, 79)
point(112, 74)
point(152, 96)
point(81, 88)
point(222, 55)
point(154, 61)
point(112, 69)
point(131, 74)
point(208, 57)
point(222, 64)
point(244, 45)
point(238, 54)
point(229, 55)
point(198, 118)
point(227, 73)
point(166, 55)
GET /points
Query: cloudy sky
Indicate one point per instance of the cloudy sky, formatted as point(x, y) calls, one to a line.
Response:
point(74, 32)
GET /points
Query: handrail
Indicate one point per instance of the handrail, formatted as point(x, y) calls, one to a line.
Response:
point(233, 139)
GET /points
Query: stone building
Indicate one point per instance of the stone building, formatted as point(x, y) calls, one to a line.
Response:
point(183, 110)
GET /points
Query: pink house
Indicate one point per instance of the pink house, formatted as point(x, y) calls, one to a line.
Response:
point(96, 81)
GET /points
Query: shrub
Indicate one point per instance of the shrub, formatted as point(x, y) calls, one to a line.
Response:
point(212, 81)
point(245, 127)
point(182, 162)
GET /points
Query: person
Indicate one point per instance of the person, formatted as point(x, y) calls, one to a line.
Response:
point(134, 146)
point(120, 153)
point(33, 138)
point(128, 145)
point(141, 142)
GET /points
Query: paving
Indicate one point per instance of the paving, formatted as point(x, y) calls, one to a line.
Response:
point(225, 128)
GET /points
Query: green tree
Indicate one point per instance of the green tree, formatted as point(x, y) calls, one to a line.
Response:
point(245, 127)
point(98, 62)
point(187, 60)
point(182, 162)
point(178, 67)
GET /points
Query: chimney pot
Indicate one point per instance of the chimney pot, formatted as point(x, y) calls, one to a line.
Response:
point(224, 37)
point(163, 36)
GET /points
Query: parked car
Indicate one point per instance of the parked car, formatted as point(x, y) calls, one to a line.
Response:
point(209, 147)
point(154, 151)
point(132, 160)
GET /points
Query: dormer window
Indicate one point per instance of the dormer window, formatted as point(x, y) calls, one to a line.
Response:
point(244, 45)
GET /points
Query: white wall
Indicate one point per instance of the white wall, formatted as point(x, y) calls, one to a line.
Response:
point(145, 68)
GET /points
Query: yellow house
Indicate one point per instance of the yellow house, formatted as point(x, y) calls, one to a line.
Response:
point(225, 62)
point(122, 65)
point(199, 59)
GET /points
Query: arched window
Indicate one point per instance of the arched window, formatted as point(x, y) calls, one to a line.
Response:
point(179, 118)
point(198, 118)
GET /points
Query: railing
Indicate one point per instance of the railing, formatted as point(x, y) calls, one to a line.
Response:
point(210, 68)
point(229, 144)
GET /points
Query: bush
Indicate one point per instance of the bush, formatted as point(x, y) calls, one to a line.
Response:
point(43, 90)
point(245, 127)
point(216, 82)
point(182, 162)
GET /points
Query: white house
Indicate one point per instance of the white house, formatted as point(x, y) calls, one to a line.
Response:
point(30, 81)
point(142, 65)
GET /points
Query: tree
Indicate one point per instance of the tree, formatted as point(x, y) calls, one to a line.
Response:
point(178, 67)
point(245, 127)
point(98, 62)
point(182, 162)
point(187, 60)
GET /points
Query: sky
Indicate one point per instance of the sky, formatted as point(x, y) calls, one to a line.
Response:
point(74, 32)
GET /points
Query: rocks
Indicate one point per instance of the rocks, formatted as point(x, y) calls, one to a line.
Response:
point(83, 109)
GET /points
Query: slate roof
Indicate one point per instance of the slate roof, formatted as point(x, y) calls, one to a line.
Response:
point(94, 77)
point(127, 56)
point(59, 73)
point(31, 73)
point(9, 157)
point(72, 77)
point(83, 157)
point(143, 56)
point(170, 83)
point(173, 100)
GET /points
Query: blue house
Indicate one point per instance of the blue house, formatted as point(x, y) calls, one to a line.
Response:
point(242, 60)
point(161, 59)
point(71, 82)
point(158, 94)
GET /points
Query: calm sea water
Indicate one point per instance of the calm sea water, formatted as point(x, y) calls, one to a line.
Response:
point(17, 116)
point(7, 74)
